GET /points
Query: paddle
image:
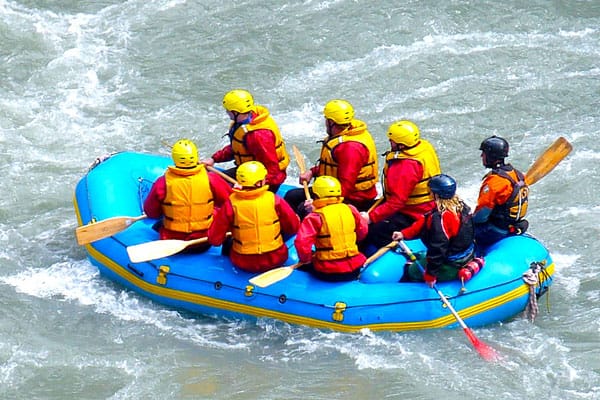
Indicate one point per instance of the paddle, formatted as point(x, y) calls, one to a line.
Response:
point(273, 276)
point(222, 175)
point(302, 166)
point(380, 252)
point(377, 202)
point(485, 351)
point(159, 249)
point(548, 160)
point(102, 229)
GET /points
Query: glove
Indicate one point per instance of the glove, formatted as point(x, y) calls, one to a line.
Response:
point(429, 279)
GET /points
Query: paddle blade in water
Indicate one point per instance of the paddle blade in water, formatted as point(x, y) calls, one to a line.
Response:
point(486, 352)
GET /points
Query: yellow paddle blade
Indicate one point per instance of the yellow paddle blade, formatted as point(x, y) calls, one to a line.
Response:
point(273, 276)
point(302, 166)
point(299, 159)
point(159, 249)
point(102, 229)
point(549, 159)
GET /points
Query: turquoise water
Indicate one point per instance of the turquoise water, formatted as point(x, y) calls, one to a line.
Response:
point(81, 79)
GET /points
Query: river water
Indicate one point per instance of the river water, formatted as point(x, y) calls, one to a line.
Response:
point(83, 79)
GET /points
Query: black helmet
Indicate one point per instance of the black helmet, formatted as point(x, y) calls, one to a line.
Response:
point(495, 149)
point(443, 185)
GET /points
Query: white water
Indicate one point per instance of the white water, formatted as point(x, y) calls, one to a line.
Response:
point(80, 80)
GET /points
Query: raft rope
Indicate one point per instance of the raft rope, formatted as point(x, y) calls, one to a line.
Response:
point(99, 160)
point(531, 278)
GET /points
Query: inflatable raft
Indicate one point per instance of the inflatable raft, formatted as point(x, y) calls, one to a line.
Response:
point(209, 284)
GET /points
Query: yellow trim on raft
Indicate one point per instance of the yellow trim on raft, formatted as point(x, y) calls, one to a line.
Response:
point(300, 320)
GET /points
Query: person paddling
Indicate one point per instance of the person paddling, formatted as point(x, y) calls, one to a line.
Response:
point(333, 228)
point(503, 196)
point(348, 154)
point(259, 222)
point(254, 136)
point(409, 164)
point(185, 197)
point(446, 231)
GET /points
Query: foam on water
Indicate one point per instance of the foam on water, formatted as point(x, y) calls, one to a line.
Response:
point(102, 77)
point(79, 282)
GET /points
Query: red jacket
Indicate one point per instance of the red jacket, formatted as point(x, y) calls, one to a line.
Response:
point(153, 204)
point(223, 223)
point(351, 157)
point(306, 238)
point(402, 176)
point(261, 144)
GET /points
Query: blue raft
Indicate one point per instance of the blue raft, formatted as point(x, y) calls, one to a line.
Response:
point(209, 284)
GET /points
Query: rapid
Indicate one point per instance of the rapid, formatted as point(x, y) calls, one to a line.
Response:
point(79, 80)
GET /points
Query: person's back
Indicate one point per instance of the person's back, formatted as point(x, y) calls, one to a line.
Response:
point(348, 153)
point(184, 198)
point(258, 220)
point(503, 197)
point(333, 228)
point(447, 233)
point(254, 136)
point(409, 165)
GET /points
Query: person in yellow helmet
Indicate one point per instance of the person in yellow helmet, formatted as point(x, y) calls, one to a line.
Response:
point(253, 136)
point(348, 153)
point(409, 165)
point(259, 222)
point(185, 197)
point(333, 230)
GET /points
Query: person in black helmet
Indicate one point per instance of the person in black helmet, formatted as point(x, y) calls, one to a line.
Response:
point(503, 196)
point(446, 231)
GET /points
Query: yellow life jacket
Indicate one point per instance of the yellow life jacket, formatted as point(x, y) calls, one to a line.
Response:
point(367, 177)
point(425, 154)
point(188, 204)
point(256, 228)
point(262, 120)
point(337, 238)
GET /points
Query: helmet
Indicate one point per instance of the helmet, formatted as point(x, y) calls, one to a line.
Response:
point(404, 132)
point(250, 173)
point(327, 186)
point(238, 100)
point(495, 148)
point(339, 111)
point(184, 154)
point(443, 185)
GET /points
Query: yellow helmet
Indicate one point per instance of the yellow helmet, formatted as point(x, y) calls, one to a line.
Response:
point(185, 154)
point(250, 173)
point(339, 111)
point(404, 132)
point(238, 100)
point(327, 186)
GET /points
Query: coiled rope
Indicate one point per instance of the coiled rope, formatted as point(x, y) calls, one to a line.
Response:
point(531, 278)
